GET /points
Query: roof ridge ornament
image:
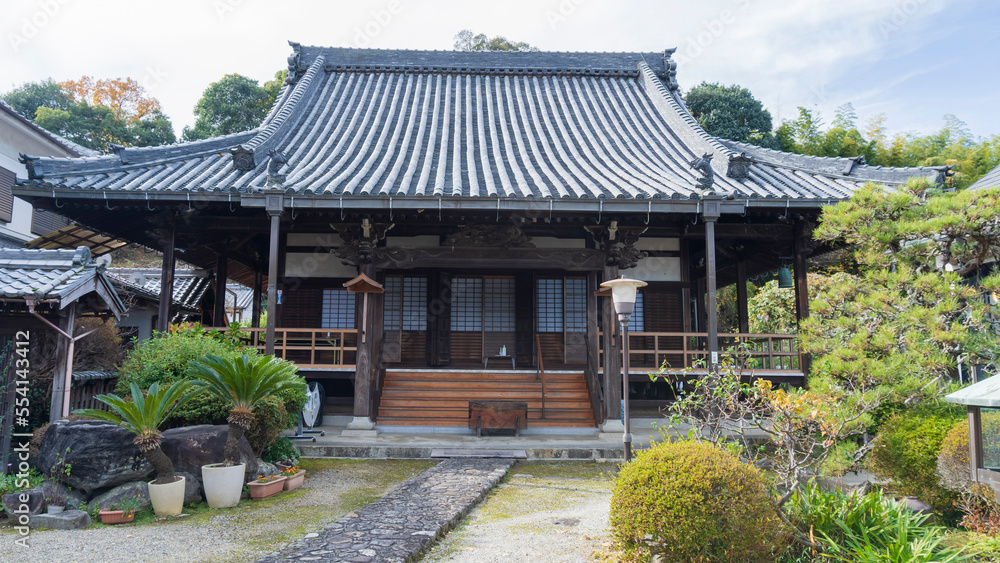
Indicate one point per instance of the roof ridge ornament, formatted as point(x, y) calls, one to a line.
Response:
point(242, 158)
point(706, 183)
point(670, 69)
point(296, 68)
point(32, 164)
point(120, 151)
point(276, 159)
point(739, 166)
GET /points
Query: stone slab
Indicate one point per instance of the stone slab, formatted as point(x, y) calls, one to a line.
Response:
point(403, 524)
point(66, 520)
point(479, 453)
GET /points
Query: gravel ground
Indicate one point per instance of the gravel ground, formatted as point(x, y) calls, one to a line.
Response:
point(533, 518)
point(241, 534)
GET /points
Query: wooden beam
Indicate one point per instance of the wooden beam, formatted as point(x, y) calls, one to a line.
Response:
point(221, 273)
point(64, 361)
point(593, 348)
point(272, 281)
point(741, 296)
point(167, 277)
point(802, 295)
point(574, 260)
point(711, 306)
point(258, 290)
point(365, 363)
point(612, 353)
point(975, 441)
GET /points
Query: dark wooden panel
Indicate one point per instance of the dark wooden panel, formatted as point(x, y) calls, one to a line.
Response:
point(44, 222)
point(524, 304)
point(466, 346)
point(413, 346)
point(439, 348)
point(6, 197)
point(663, 313)
point(302, 308)
point(552, 347)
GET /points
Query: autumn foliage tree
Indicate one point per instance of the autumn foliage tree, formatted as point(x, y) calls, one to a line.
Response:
point(125, 97)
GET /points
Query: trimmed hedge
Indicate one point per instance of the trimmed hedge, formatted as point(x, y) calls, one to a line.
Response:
point(691, 501)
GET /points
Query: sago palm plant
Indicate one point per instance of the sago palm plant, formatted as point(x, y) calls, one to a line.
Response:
point(243, 383)
point(143, 416)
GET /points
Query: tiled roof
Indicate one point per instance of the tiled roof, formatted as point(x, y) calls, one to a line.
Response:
point(854, 168)
point(54, 275)
point(990, 180)
point(70, 146)
point(189, 285)
point(363, 122)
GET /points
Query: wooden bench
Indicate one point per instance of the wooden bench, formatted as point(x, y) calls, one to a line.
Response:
point(498, 415)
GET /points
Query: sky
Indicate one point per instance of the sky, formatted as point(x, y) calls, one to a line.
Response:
point(914, 60)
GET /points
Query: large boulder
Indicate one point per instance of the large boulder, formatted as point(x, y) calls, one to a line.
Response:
point(29, 502)
point(190, 447)
point(129, 490)
point(192, 488)
point(100, 454)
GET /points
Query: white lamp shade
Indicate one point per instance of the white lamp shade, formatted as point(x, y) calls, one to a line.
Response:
point(623, 293)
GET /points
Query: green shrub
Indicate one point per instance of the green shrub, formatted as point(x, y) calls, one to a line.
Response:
point(12, 482)
point(867, 528)
point(953, 459)
point(167, 358)
point(691, 501)
point(905, 453)
point(281, 449)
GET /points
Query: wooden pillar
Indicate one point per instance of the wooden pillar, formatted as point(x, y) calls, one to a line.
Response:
point(258, 290)
point(167, 277)
point(612, 354)
point(64, 361)
point(975, 441)
point(221, 273)
point(741, 296)
point(593, 347)
point(711, 306)
point(802, 294)
point(274, 211)
point(366, 346)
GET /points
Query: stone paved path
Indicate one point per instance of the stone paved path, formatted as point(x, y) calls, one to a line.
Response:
point(401, 525)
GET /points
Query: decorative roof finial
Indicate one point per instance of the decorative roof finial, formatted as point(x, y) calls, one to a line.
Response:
point(670, 65)
point(739, 166)
point(703, 164)
point(242, 158)
point(275, 161)
point(32, 164)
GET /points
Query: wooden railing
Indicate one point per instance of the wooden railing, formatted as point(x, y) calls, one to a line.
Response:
point(321, 348)
point(767, 352)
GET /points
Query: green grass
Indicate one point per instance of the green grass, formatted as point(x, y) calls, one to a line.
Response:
point(565, 469)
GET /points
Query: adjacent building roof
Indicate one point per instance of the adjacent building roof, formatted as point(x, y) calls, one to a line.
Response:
point(985, 393)
point(55, 276)
point(70, 146)
point(75, 235)
point(189, 285)
point(180, 309)
point(990, 180)
point(364, 122)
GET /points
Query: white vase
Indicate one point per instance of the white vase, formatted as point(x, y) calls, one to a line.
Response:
point(54, 509)
point(167, 499)
point(223, 485)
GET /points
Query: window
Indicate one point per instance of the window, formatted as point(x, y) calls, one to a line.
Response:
point(498, 308)
point(338, 309)
point(405, 305)
point(549, 305)
point(467, 304)
point(638, 321)
point(576, 305)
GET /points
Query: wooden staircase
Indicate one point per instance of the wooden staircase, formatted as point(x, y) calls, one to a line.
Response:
point(432, 398)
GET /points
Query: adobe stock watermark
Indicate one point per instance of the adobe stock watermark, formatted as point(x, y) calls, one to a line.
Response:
point(225, 7)
point(562, 12)
point(712, 29)
point(21, 439)
point(902, 13)
point(30, 26)
point(377, 23)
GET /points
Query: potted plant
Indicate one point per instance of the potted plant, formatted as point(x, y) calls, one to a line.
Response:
point(243, 383)
point(55, 498)
point(121, 512)
point(143, 416)
point(293, 477)
point(265, 487)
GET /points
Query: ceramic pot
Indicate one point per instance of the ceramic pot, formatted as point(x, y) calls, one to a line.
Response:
point(267, 489)
point(54, 509)
point(223, 485)
point(167, 499)
point(295, 481)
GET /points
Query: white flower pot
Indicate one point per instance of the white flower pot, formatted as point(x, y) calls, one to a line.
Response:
point(167, 499)
point(223, 485)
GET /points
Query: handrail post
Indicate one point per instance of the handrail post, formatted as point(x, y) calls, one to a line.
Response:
point(541, 370)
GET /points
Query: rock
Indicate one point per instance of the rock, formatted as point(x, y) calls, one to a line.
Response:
point(192, 488)
point(916, 505)
point(30, 502)
point(191, 447)
point(56, 494)
point(101, 454)
point(106, 500)
point(265, 469)
point(77, 498)
point(67, 520)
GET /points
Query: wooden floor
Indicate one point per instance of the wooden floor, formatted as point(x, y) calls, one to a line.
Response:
point(441, 398)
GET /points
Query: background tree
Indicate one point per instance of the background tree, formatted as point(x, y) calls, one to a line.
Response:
point(94, 114)
point(465, 40)
point(28, 97)
point(232, 105)
point(731, 112)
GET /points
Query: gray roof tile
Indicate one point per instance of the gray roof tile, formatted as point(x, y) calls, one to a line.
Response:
point(364, 122)
point(990, 180)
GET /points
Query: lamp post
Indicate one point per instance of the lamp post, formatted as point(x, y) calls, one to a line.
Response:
point(623, 294)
